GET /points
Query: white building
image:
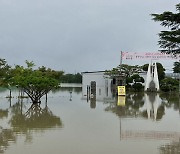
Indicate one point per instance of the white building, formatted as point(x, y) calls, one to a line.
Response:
point(102, 82)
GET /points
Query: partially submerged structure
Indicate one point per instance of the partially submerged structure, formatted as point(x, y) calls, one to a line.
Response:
point(99, 86)
point(152, 81)
point(96, 85)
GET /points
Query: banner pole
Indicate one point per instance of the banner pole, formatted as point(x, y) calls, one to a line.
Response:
point(121, 58)
point(120, 61)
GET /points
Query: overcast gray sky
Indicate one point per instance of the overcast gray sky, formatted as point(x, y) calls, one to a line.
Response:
point(78, 35)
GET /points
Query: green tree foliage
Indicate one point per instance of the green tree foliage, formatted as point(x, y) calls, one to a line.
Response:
point(126, 70)
point(51, 73)
point(137, 82)
point(130, 73)
point(176, 68)
point(137, 86)
point(129, 70)
point(169, 40)
point(34, 83)
point(169, 84)
point(30, 64)
point(4, 72)
point(71, 78)
point(135, 78)
point(161, 71)
point(129, 80)
point(138, 78)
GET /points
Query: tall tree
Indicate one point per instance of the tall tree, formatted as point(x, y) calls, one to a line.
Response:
point(169, 40)
point(176, 68)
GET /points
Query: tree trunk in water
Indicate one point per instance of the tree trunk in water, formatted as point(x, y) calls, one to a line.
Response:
point(10, 93)
point(10, 96)
point(36, 101)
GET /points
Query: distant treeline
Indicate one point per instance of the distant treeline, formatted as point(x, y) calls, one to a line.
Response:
point(71, 78)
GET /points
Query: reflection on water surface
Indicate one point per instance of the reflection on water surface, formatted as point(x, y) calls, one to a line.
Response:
point(71, 123)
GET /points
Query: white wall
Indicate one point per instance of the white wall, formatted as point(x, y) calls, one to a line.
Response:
point(103, 84)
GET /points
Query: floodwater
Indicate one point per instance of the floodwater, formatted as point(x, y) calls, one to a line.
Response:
point(70, 123)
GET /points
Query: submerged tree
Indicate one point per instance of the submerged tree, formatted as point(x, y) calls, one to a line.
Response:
point(6, 78)
point(4, 73)
point(169, 40)
point(35, 83)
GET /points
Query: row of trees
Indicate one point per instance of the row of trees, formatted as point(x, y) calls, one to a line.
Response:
point(71, 78)
point(34, 82)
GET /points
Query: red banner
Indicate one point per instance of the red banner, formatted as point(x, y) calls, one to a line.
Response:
point(148, 55)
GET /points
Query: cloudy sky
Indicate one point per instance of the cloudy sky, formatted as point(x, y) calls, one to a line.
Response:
point(78, 35)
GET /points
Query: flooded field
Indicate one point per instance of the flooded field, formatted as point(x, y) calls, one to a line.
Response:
point(69, 122)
